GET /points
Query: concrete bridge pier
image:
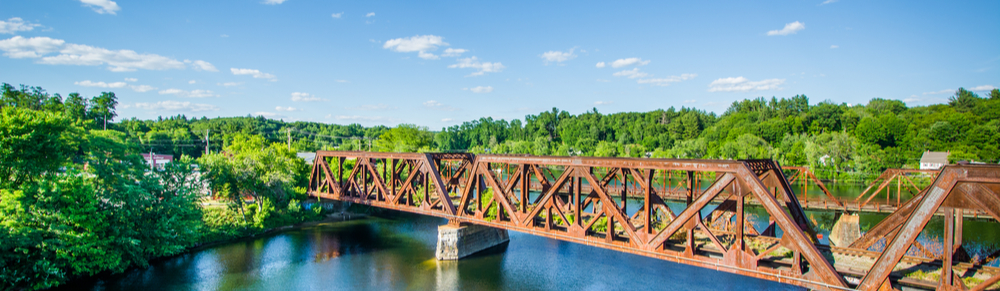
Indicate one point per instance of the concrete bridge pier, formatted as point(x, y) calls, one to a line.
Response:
point(457, 240)
point(846, 230)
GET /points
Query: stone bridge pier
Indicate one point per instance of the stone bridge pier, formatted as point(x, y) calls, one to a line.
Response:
point(458, 240)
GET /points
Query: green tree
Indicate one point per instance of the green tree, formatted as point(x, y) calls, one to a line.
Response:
point(963, 100)
point(404, 138)
point(34, 143)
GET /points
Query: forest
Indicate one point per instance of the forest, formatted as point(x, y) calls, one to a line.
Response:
point(837, 140)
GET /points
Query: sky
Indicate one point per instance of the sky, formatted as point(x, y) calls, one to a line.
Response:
point(441, 63)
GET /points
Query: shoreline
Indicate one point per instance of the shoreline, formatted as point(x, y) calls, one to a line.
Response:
point(333, 217)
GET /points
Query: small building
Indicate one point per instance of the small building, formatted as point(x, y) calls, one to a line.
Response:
point(307, 156)
point(933, 160)
point(157, 160)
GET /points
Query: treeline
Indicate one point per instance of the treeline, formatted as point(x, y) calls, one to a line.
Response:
point(838, 140)
point(77, 200)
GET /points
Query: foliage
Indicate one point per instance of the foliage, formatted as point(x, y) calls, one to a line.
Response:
point(76, 200)
point(252, 167)
point(34, 143)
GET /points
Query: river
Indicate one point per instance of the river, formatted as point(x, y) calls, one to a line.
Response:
point(396, 252)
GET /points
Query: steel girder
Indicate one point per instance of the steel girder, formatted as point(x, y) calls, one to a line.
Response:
point(957, 188)
point(545, 196)
point(583, 200)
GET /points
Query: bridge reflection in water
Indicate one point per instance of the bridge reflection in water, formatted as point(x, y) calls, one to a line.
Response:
point(583, 200)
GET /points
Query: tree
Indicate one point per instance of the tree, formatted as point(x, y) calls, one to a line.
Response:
point(34, 143)
point(251, 166)
point(886, 130)
point(747, 146)
point(963, 100)
point(102, 108)
point(404, 138)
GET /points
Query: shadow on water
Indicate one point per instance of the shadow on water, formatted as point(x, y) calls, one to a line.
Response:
point(396, 252)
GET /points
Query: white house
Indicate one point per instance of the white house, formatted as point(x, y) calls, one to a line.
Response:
point(933, 160)
point(157, 160)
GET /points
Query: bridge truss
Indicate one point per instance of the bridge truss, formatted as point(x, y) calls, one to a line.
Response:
point(615, 203)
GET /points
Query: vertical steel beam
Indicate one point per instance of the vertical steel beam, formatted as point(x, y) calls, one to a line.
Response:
point(896, 248)
point(947, 274)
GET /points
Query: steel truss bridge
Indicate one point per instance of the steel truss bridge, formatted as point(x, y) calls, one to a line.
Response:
point(583, 200)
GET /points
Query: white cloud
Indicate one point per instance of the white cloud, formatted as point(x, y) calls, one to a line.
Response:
point(668, 80)
point(131, 79)
point(200, 65)
point(230, 84)
point(280, 108)
point(450, 52)
point(600, 64)
point(834, 46)
point(828, 2)
point(84, 55)
point(741, 84)
point(631, 74)
point(418, 43)
point(337, 15)
point(102, 6)
point(427, 56)
point(447, 119)
point(142, 88)
point(192, 82)
point(370, 14)
point(945, 91)
point(913, 98)
point(627, 62)
point(480, 89)
point(15, 24)
point(790, 28)
point(474, 63)
point(603, 102)
point(305, 97)
point(224, 35)
point(171, 105)
point(191, 94)
point(88, 83)
point(982, 88)
point(19, 47)
point(558, 56)
point(255, 73)
point(274, 2)
point(438, 106)
point(118, 61)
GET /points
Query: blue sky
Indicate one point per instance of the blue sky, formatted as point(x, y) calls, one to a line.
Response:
point(439, 64)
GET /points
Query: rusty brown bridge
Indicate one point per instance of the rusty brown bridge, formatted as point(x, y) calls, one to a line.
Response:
point(583, 200)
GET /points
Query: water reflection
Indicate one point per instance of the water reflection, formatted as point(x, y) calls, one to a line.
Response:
point(397, 253)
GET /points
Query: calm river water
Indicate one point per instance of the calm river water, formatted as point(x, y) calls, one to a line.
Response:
point(397, 253)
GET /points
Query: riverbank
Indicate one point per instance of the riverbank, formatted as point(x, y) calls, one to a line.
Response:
point(326, 218)
point(331, 217)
